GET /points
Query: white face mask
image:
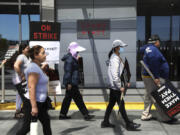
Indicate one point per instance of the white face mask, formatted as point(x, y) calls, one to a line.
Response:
point(121, 50)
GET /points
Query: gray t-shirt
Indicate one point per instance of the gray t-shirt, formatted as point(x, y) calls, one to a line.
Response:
point(41, 87)
point(25, 61)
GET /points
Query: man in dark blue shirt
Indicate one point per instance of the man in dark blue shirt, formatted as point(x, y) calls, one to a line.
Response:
point(159, 67)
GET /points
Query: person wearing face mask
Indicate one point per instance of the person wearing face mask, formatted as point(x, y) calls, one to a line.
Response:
point(71, 81)
point(115, 68)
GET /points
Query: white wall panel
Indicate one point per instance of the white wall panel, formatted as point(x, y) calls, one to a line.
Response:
point(122, 15)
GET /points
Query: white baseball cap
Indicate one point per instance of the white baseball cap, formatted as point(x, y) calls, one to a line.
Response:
point(117, 43)
point(76, 47)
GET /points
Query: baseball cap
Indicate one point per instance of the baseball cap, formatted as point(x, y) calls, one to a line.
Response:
point(153, 39)
point(76, 47)
point(117, 43)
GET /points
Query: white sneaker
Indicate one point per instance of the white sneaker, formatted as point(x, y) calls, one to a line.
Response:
point(145, 117)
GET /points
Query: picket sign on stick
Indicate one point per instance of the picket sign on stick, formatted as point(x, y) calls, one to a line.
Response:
point(147, 69)
point(166, 96)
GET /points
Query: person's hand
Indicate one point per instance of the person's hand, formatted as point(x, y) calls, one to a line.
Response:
point(157, 81)
point(4, 61)
point(23, 78)
point(44, 66)
point(69, 87)
point(34, 111)
point(78, 56)
point(122, 89)
point(128, 84)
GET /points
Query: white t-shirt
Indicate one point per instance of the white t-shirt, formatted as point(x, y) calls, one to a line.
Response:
point(25, 61)
point(41, 87)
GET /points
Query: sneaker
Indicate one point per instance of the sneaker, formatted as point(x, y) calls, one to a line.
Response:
point(64, 117)
point(146, 117)
point(88, 117)
point(132, 126)
point(106, 125)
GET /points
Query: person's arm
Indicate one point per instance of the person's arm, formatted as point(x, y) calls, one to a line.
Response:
point(3, 62)
point(115, 63)
point(68, 74)
point(17, 68)
point(32, 82)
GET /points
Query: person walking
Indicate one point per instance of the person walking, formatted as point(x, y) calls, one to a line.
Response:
point(18, 78)
point(159, 67)
point(35, 103)
point(115, 68)
point(71, 81)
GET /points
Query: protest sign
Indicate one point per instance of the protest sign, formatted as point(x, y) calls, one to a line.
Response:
point(47, 34)
point(52, 48)
point(168, 98)
point(44, 31)
point(54, 85)
point(126, 74)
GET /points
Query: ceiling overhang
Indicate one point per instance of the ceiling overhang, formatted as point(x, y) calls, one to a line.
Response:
point(158, 7)
point(27, 6)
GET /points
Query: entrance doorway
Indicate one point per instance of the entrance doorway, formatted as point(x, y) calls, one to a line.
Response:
point(163, 18)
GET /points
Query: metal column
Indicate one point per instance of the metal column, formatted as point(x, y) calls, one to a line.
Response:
point(147, 27)
point(2, 85)
point(20, 26)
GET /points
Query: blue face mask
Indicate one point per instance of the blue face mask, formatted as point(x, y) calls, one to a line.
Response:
point(121, 50)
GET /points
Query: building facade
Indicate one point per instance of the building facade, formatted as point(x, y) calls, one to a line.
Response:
point(132, 21)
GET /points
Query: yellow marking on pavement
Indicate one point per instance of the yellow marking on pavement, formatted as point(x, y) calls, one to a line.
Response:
point(89, 105)
point(7, 106)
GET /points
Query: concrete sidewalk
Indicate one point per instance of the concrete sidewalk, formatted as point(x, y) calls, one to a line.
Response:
point(95, 100)
point(78, 126)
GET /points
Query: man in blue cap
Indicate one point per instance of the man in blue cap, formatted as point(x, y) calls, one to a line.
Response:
point(159, 67)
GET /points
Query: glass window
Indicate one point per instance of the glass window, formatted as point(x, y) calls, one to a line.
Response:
point(161, 26)
point(141, 28)
point(176, 28)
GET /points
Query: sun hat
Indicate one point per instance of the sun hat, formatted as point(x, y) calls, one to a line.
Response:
point(74, 46)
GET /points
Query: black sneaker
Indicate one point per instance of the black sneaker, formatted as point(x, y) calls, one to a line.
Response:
point(106, 125)
point(88, 117)
point(64, 117)
point(173, 120)
point(132, 126)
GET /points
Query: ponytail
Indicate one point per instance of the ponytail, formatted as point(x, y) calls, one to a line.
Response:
point(110, 53)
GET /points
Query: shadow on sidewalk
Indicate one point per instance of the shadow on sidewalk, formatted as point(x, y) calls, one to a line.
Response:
point(16, 127)
point(71, 130)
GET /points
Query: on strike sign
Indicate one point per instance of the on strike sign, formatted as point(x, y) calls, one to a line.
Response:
point(44, 31)
point(168, 99)
point(97, 29)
